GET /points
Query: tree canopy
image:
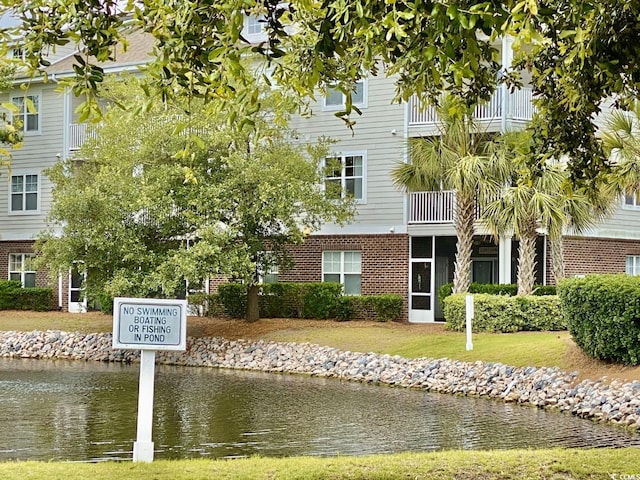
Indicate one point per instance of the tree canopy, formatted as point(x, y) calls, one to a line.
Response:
point(141, 217)
point(577, 53)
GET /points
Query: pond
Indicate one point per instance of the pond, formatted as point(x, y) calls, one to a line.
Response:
point(86, 411)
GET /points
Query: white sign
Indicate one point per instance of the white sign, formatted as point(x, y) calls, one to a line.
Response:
point(149, 324)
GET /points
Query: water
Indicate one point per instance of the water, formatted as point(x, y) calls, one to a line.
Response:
point(86, 411)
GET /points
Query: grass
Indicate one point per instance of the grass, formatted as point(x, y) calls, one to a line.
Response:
point(510, 464)
point(553, 349)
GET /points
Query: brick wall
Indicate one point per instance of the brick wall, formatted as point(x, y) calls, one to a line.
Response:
point(385, 261)
point(596, 255)
point(42, 277)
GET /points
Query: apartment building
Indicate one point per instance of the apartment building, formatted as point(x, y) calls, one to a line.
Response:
point(398, 242)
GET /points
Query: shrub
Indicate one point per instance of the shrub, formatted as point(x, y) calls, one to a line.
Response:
point(207, 304)
point(7, 289)
point(321, 300)
point(36, 299)
point(387, 306)
point(603, 315)
point(233, 299)
point(510, 289)
point(501, 313)
point(103, 301)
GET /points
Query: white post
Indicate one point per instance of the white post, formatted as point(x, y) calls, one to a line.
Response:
point(469, 311)
point(143, 446)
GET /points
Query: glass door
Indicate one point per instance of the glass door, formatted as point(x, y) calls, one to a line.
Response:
point(77, 297)
point(421, 280)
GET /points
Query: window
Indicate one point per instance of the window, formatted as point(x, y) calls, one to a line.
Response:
point(632, 200)
point(254, 29)
point(335, 99)
point(345, 176)
point(633, 265)
point(24, 193)
point(17, 53)
point(267, 265)
point(344, 268)
point(20, 269)
point(254, 25)
point(28, 112)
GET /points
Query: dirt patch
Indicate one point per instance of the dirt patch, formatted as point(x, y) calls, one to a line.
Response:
point(589, 368)
point(234, 329)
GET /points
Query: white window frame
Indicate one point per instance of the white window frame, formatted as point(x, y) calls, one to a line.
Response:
point(26, 113)
point(634, 203)
point(632, 265)
point(24, 174)
point(20, 260)
point(342, 269)
point(331, 107)
point(251, 22)
point(343, 178)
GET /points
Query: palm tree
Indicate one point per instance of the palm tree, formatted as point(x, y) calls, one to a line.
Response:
point(621, 140)
point(582, 210)
point(460, 159)
point(529, 203)
point(542, 198)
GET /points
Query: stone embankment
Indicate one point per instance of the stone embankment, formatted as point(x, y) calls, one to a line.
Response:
point(541, 387)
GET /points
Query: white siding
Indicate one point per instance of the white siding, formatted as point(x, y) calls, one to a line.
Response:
point(37, 153)
point(380, 132)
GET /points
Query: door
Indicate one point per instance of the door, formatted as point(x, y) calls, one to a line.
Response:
point(421, 282)
point(77, 297)
point(442, 277)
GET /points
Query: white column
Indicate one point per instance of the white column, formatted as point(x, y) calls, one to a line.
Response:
point(506, 59)
point(504, 260)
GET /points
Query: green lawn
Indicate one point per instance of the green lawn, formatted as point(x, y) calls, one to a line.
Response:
point(523, 349)
point(467, 465)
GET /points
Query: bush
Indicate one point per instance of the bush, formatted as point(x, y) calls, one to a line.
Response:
point(510, 289)
point(603, 315)
point(387, 307)
point(102, 301)
point(7, 291)
point(233, 299)
point(321, 300)
point(36, 299)
point(501, 313)
point(206, 304)
point(318, 300)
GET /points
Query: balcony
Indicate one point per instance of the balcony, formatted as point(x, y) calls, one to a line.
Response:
point(431, 207)
point(78, 134)
point(517, 107)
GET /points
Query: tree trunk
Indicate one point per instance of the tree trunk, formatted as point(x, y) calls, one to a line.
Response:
point(527, 262)
point(557, 258)
point(464, 220)
point(253, 308)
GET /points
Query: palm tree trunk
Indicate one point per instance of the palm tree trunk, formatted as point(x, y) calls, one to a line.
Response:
point(527, 261)
point(464, 223)
point(557, 258)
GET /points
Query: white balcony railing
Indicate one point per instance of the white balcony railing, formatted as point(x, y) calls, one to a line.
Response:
point(432, 207)
point(78, 134)
point(519, 107)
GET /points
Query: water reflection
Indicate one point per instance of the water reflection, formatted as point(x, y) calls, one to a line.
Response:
point(87, 411)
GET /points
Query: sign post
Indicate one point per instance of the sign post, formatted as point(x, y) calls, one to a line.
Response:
point(469, 317)
point(148, 325)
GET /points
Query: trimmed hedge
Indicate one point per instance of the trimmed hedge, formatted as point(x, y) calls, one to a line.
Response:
point(14, 297)
point(510, 289)
point(603, 315)
point(502, 313)
point(7, 289)
point(319, 300)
